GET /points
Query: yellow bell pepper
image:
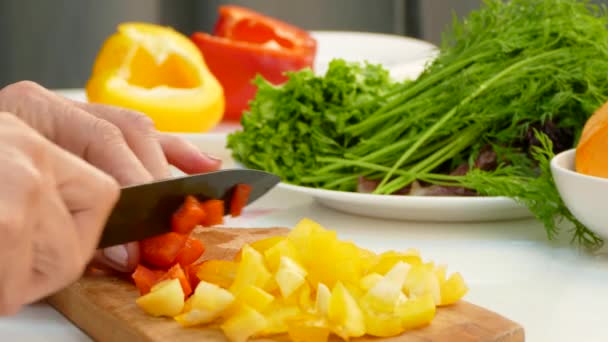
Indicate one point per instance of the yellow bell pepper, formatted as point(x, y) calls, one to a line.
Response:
point(255, 297)
point(251, 271)
point(164, 299)
point(421, 280)
point(245, 323)
point(274, 254)
point(219, 272)
point(308, 328)
point(160, 72)
point(262, 245)
point(453, 289)
point(290, 276)
point(387, 260)
point(345, 315)
point(416, 312)
point(277, 316)
point(206, 304)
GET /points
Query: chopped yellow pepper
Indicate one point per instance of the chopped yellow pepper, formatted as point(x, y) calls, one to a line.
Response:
point(164, 299)
point(302, 286)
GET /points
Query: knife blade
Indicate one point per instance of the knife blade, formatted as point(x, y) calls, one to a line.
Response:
point(145, 210)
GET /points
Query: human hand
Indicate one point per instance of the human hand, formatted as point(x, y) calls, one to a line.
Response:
point(121, 142)
point(53, 206)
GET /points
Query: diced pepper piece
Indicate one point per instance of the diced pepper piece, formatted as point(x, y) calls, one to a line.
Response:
point(192, 250)
point(308, 328)
point(345, 315)
point(453, 289)
point(190, 271)
point(164, 299)
point(262, 245)
point(219, 272)
point(240, 197)
point(161, 250)
point(322, 300)
point(382, 324)
point(277, 316)
point(387, 260)
point(255, 297)
point(440, 273)
point(384, 295)
point(421, 280)
point(282, 248)
point(251, 271)
point(145, 278)
point(214, 210)
point(207, 303)
point(368, 281)
point(176, 272)
point(290, 276)
point(416, 312)
point(188, 216)
point(245, 323)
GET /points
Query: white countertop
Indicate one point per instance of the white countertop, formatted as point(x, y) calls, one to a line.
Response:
point(556, 293)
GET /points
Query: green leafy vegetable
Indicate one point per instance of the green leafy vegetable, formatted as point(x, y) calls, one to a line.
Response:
point(521, 77)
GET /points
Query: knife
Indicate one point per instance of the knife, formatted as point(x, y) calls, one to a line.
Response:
point(145, 210)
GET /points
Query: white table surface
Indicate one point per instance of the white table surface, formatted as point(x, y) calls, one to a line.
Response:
point(555, 292)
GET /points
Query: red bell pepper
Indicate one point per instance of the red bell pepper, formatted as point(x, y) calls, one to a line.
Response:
point(145, 278)
point(193, 250)
point(188, 216)
point(162, 250)
point(215, 212)
point(177, 272)
point(240, 196)
point(246, 43)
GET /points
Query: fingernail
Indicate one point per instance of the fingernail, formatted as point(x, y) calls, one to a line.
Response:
point(211, 156)
point(117, 255)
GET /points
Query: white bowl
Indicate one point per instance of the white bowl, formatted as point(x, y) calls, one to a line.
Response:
point(585, 196)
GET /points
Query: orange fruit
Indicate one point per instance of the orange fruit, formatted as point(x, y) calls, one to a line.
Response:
point(592, 148)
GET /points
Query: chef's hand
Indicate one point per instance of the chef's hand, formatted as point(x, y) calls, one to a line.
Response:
point(121, 142)
point(52, 209)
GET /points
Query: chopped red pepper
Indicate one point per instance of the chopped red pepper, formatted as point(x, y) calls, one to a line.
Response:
point(188, 216)
point(240, 196)
point(161, 251)
point(192, 250)
point(176, 272)
point(246, 43)
point(191, 271)
point(215, 212)
point(145, 278)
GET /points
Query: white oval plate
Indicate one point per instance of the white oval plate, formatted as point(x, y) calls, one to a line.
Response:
point(404, 57)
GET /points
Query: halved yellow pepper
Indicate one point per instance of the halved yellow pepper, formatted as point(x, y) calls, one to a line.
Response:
point(160, 72)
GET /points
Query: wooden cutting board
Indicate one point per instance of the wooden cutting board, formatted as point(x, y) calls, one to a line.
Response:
point(104, 307)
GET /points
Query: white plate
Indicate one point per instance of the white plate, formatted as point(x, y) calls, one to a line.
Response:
point(411, 208)
point(404, 57)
